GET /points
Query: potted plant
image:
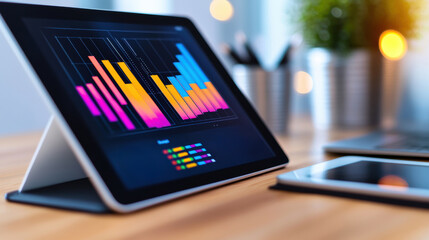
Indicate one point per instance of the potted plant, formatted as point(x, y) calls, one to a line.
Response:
point(344, 59)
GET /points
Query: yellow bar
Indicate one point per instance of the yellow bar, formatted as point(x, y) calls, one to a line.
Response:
point(191, 165)
point(180, 100)
point(178, 149)
point(189, 159)
point(183, 154)
point(139, 87)
point(167, 94)
point(126, 88)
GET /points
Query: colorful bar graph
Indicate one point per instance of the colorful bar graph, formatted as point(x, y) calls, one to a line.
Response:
point(101, 103)
point(88, 101)
point(180, 100)
point(141, 107)
point(184, 95)
point(107, 80)
point(169, 97)
point(194, 86)
point(191, 93)
point(161, 118)
point(190, 61)
point(196, 79)
point(122, 115)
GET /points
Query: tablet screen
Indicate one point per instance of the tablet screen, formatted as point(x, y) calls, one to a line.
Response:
point(148, 101)
point(382, 173)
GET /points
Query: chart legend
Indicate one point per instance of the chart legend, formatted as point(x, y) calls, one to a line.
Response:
point(188, 156)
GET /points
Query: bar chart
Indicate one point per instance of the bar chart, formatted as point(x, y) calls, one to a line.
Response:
point(141, 84)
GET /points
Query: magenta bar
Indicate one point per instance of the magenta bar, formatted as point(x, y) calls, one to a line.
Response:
point(122, 115)
point(101, 103)
point(88, 101)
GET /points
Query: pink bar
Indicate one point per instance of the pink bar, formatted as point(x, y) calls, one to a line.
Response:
point(88, 101)
point(107, 80)
point(122, 115)
point(101, 103)
point(161, 118)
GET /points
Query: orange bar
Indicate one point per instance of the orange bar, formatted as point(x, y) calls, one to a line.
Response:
point(216, 94)
point(107, 80)
point(212, 100)
point(191, 165)
point(201, 96)
point(170, 98)
point(138, 104)
point(136, 100)
point(192, 105)
point(162, 119)
point(197, 101)
point(180, 100)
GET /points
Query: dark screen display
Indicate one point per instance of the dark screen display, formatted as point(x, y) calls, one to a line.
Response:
point(150, 97)
point(402, 175)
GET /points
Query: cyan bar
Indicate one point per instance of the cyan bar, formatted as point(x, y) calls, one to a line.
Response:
point(192, 62)
point(178, 87)
point(197, 79)
point(184, 72)
point(183, 82)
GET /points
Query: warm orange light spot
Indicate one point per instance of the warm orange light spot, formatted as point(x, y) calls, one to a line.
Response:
point(393, 45)
point(302, 82)
point(221, 10)
point(392, 182)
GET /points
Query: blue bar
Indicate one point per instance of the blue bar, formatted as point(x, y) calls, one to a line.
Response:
point(192, 152)
point(192, 62)
point(184, 73)
point(201, 163)
point(178, 87)
point(191, 71)
point(183, 82)
point(198, 144)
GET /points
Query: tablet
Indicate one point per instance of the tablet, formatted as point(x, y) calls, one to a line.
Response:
point(152, 112)
point(387, 179)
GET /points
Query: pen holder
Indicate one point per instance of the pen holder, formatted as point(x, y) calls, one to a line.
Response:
point(268, 92)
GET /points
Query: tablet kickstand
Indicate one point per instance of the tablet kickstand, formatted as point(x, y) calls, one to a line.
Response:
point(55, 177)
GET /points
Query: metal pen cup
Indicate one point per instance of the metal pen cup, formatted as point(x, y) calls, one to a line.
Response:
point(269, 93)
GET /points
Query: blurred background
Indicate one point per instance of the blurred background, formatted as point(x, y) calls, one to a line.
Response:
point(343, 63)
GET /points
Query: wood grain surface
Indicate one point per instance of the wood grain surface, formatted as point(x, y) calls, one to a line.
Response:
point(242, 210)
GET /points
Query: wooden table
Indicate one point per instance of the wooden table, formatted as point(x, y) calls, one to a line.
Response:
point(242, 210)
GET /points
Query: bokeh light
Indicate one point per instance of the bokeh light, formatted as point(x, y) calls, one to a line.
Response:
point(393, 45)
point(221, 10)
point(392, 182)
point(302, 82)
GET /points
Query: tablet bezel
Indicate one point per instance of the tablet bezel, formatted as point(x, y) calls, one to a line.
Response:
point(91, 156)
point(302, 178)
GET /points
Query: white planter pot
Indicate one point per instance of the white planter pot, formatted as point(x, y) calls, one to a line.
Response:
point(346, 91)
